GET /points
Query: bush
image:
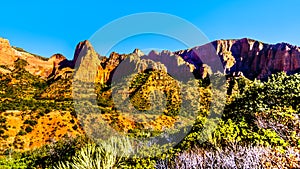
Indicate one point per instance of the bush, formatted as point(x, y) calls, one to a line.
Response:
point(1, 131)
point(75, 127)
point(48, 155)
point(21, 133)
point(234, 157)
point(6, 163)
point(108, 154)
point(30, 122)
point(47, 111)
point(28, 129)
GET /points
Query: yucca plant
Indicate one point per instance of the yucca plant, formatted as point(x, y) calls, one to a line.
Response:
point(106, 154)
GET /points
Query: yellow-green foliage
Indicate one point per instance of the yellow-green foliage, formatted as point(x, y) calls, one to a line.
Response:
point(261, 113)
point(154, 90)
point(107, 154)
point(256, 113)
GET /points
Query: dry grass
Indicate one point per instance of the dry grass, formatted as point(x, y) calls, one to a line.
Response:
point(49, 128)
point(234, 157)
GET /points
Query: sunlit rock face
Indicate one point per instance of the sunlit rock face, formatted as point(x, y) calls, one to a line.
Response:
point(247, 57)
point(37, 65)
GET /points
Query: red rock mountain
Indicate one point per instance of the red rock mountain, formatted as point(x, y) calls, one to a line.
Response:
point(36, 65)
point(251, 58)
point(246, 57)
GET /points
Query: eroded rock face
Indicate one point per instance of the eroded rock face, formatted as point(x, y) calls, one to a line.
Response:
point(36, 65)
point(247, 57)
point(175, 64)
point(86, 62)
point(251, 58)
point(7, 53)
point(56, 59)
point(42, 67)
point(258, 60)
point(108, 66)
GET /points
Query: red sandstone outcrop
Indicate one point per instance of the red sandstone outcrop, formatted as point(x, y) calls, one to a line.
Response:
point(38, 66)
point(7, 53)
point(251, 58)
point(247, 57)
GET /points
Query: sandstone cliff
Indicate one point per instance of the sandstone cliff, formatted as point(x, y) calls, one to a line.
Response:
point(250, 58)
point(242, 57)
point(36, 65)
point(246, 57)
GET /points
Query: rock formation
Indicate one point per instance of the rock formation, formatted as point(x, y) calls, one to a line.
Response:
point(7, 53)
point(36, 65)
point(246, 57)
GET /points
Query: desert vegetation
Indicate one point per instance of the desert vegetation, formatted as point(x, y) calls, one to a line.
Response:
point(259, 127)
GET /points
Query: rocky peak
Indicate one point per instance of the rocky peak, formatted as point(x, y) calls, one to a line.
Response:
point(4, 43)
point(36, 65)
point(86, 61)
point(114, 59)
point(249, 57)
point(7, 53)
point(138, 52)
point(56, 59)
point(82, 49)
point(108, 66)
point(57, 56)
point(153, 53)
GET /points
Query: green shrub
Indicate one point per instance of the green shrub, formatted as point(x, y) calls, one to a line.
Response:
point(75, 127)
point(108, 154)
point(30, 122)
point(6, 163)
point(1, 131)
point(21, 133)
point(28, 129)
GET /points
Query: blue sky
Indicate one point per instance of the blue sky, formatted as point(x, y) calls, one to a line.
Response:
point(56, 26)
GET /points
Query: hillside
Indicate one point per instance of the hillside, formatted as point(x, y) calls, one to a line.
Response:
point(252, 101)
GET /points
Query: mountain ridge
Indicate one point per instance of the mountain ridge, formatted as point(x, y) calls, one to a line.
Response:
point(247, 57)
point(40, 106)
